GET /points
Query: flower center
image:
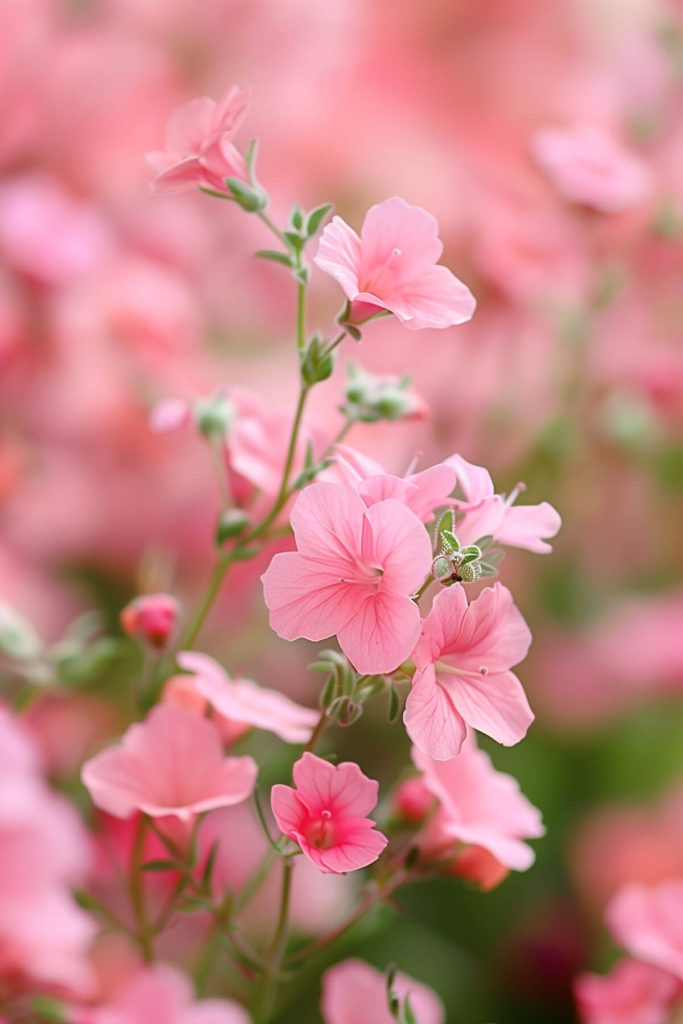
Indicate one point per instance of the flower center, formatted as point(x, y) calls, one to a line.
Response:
point(368, 576)
point(443, 668)
point(321, 832)
point(381, 270)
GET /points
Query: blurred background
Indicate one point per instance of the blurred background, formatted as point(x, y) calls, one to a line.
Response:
point(569, 378)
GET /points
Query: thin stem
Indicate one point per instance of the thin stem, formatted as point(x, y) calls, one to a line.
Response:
point(317, 733)
point(221, 473)
point(272, 226)
point(192, 631)
point(255, 881)
point(266, 992)
point(136, 891)
point(300, 315)
point(425, 586)
point(334, 343)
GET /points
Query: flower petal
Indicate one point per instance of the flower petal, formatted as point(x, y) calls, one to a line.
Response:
point(381, 634)
point(431, 720)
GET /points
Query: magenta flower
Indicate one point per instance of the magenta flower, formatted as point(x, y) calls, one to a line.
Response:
point(354, 992)
point(171, 764)
point(648, 922)
point(199, 149)
point(463, 678)
point(352, 574)
point(392, 266)
point(327, 814)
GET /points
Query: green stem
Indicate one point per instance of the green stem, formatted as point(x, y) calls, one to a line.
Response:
point(255, 881)
point(334, 343)
point(272, 226)
point(317, 733)
point(136, 891)
point(192, 631)
point(300, 316)
point(266, 992)
point(425, 586)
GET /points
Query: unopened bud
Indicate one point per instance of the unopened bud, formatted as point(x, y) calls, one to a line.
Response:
point(442, 569)
point(152, 618)
point(251, 198)
point(18, 638)
point(214, 416)
point(412, 800)
point(231, 523)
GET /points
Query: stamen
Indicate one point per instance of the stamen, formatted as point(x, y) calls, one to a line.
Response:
point(518, 489)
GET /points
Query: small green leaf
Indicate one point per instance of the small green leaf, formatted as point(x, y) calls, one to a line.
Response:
point(487, 570)
point(275, 256)
point(316, 217)
point(251, 198)
point(296, 217)
point(159, 865)
point(394, 703)
point(210, 863)
point(449, 540)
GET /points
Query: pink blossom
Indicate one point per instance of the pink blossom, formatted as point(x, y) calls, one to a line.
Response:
point(326, 814)
point(161, 995)
point(632, 993)
point(352, 574)
point(422, 492)
point(589, 165)
point(199, 149)
point(171, 764)
point(478, 806)
point(354, 992)
point(392, 266)
point(463, 678)
point(484, 512)
point(152, 617)
point(648, 922)
point(239, 704)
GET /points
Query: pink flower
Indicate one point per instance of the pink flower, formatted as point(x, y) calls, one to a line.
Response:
point(392, 266)
point(354, 992)
point(199, 149)
point(463, 678)
point(353, 574)
point(170, 764)
point(161, 995)
point(648, 922)
point(326, 814)
point(422, 492)
point(478, 806)
point(239, 704)
point(590, 166)
point(152, 617)
point(484, 512)
point(632, 993)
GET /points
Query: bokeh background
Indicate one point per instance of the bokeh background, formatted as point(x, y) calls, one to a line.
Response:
point(569, 378)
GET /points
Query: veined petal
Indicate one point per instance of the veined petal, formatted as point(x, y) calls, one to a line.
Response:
point(398, 544)
point(494, 704)
point(431, 719)
point(339, 255)
point(381, 634)
point(437, 298)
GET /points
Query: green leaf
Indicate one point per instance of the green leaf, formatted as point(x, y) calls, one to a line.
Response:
point(316, 217)
point(394, 703)
point(488, 570)
point(275, 256)
point(296, 217)
point(159, 865)
point(407, 1013)
point(449, 540)
point(210, 863)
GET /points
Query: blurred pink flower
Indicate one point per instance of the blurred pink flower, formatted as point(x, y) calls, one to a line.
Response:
point(238, 704)
point(484, 512)
point(632, 993)
point(463, 679)
point(326, 814)
point(199, 149)
point(589, 165)
point(171, 764)
point(392, 266)
point(648, 923)
point(152, 617)
point(354, 992)
point(353, 574)
point(161, 995)
point(478, 806)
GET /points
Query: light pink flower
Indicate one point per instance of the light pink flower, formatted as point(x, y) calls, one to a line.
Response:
point(422, 492)
point(355, 992)
point(326, 814)
point(171, 764)
point(199, 149)
point(463, 678)
point(632, 993)
point(486, 513)
point(478, 806)
point(152, 617)
point(161, 995)
point(589, 165)
point(648, 922)
point(239, 704)
point(392, 266)
point(352, 574)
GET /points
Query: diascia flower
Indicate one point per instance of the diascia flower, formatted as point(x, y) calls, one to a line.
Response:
point(352, 574)
point(327, 814)
point(392, 266)
point(632, 993)
point(199, 149)
point(463, 678)
point(648, 922)
point(171, 764)
point(354, 992)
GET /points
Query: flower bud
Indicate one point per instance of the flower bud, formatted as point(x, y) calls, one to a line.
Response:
point(18, 638)
point(231, 523)
point(214, 416)
point(251, 198)
point(152, 617)
point(371, 397)
point(412, 800)
point(442, 569)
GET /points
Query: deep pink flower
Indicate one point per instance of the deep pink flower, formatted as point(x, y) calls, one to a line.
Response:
point(352, 574)
point(238, 704)
point(589, 165)
point(478, 806)
point(632, 993)
point(355, 992)
point(484, 512)
point(326, 814)
point(152, 617)
point(648, 922)
point(199, 149)
point(170, 764)
point(392, 266)
point(161, 995)
point(463, 678)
